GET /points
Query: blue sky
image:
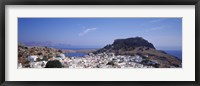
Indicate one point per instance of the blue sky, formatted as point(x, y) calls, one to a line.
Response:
point(164, 33)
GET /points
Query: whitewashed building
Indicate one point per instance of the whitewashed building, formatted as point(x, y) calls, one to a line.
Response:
point(32, 58)
point(62, 56)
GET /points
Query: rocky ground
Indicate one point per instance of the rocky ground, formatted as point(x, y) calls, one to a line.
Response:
point(27, 54)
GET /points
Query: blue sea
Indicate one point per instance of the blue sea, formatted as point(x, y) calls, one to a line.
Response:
point(76, 54)
point(176, 53)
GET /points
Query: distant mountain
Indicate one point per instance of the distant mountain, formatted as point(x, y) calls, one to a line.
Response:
point(47, 43)
point(57, 45)
point(33, 43)
point(139, 46)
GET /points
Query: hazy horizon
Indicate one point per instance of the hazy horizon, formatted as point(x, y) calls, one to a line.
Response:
point(163, 33)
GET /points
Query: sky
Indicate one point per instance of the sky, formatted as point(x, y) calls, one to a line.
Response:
point(163, 33)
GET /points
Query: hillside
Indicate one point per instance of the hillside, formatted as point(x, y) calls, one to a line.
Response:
point(139, 46)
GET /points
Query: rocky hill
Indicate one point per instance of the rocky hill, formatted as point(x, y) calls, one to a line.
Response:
point(141, 47)
point(126, 45)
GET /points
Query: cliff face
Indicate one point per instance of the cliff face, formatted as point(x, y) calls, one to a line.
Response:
point(141, 47)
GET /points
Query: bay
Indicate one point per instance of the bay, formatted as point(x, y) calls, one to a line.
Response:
point(75, 54)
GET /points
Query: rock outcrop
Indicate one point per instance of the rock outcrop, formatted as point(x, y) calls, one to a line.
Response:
point(126, 45)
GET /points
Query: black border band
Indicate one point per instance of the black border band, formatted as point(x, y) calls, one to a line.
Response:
point(99, 2)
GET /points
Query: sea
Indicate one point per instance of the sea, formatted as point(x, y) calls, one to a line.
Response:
point(176, 53)
point(77, 54)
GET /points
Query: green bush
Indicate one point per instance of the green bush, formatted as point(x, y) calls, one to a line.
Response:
point(53, 64)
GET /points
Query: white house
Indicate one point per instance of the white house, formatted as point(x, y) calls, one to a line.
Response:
point(32, 58)
point(62, 56)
